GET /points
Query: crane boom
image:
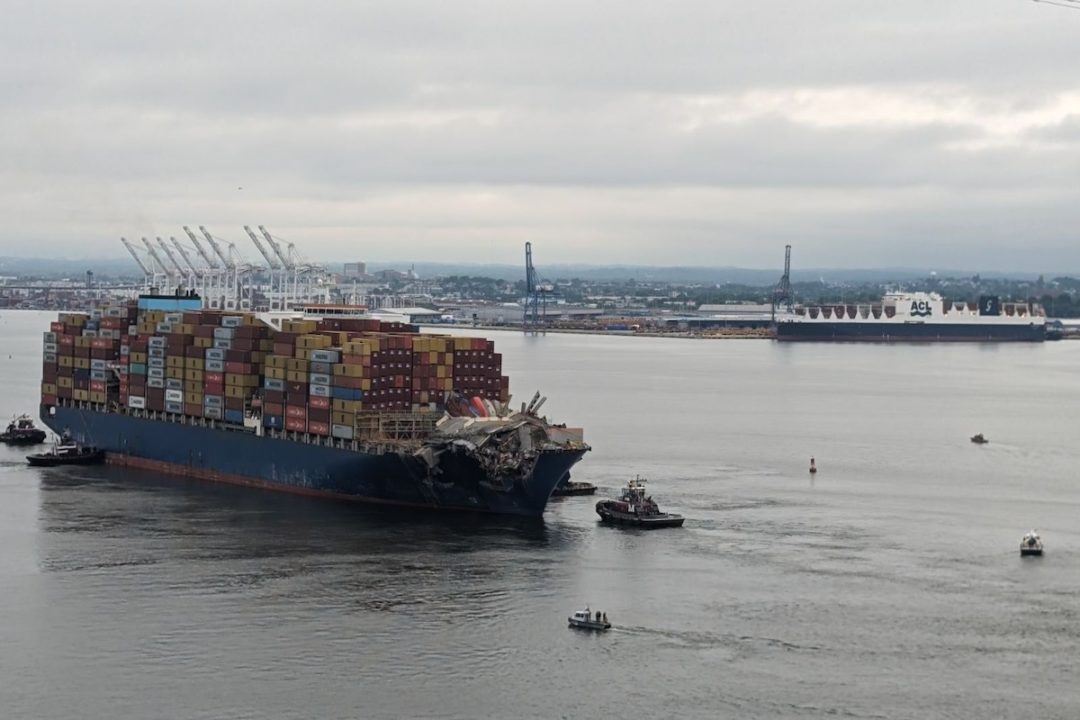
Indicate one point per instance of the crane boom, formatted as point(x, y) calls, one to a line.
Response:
point(277, 248)
point(184, 254)
point(172, 258)
point(157, 258)
point(217, 248)
point(207, 258)
point(131, 249)
point(262, 250)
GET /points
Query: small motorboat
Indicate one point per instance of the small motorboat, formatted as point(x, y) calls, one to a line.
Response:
point(978, 439)
point(813, 467)
point(636, 508)
point(68, 453)
point(1031, 544)
point(21, 431)
point(587, 620)
point(573, 488)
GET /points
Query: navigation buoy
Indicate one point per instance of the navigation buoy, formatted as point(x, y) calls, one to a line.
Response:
point(813, 467)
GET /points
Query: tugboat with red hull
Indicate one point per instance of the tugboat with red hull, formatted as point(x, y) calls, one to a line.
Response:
point(635, 508)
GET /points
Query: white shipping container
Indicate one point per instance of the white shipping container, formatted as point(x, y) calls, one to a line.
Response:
point(136, 402)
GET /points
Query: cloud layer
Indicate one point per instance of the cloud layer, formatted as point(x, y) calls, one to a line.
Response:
point(866, 134)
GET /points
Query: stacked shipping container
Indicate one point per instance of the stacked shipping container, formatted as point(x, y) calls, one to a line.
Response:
point(322, 377)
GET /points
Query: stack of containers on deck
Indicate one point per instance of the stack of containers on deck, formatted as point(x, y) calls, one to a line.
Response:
point(478, 370)
point(78, 352)
point(202, 364)
point(432, 371)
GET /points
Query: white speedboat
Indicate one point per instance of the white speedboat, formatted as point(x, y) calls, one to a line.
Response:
point(588, 620)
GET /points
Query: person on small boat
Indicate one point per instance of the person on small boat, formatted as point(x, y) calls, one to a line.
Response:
point(605, 617)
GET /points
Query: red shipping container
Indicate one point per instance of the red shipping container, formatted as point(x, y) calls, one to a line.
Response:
point(319, 403)
point(239, 368)
point(298, 389)
point(296, 411)
point(97, 386)
point(56, 327)
point(273, 408)
point(274, 396)
point(296, 424)
point(318, 428)
point(214, 377)
point(232, 403)
point(213, 388)
point(193, 409)
point(317, 415)
point(48, 399)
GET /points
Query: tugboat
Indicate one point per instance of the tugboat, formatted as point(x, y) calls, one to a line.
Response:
point(21, 431)
point(67, 452)
point(1031, 544)
point(587, 620)
point(978, 439)
point(636, 508)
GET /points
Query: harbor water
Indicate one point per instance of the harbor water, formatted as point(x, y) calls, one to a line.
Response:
point(888, 585)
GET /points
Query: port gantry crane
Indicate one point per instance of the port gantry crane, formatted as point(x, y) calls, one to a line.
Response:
point(276, 294)
point(215, 274)
point(783, 292)
point(198, 274)
point(183, 273)
point(170, 274)
point(536, 295)
point(150, 274)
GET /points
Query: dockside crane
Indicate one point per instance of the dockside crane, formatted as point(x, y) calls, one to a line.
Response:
point(273, 268)
point(536, 294)
point(149, 275)
point(169, 274)
point(172, 258)
point(783, 293)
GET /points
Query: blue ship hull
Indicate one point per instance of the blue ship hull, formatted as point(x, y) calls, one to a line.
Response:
point(908, 332)
point(242, 458)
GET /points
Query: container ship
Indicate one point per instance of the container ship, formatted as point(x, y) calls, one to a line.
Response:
point(916, 317)
point(350, 408)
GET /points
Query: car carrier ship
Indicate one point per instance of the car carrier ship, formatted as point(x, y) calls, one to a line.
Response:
point(350, 408)
point(916, 317)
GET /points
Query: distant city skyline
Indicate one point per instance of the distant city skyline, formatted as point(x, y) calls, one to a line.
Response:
point(867, 135)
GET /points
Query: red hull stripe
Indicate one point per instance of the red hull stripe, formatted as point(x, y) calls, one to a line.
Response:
point(231, 479)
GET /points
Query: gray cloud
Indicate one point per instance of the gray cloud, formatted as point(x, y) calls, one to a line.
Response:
point(864, 133)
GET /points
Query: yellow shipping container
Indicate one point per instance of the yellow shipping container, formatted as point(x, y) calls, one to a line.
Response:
point(82, 363)
point(440, 371)
point(194, 363)
point(276, 373)
point(202, 342)
point(174, 373)
point(296, 377)
point(298, 365)
point(235, 391)
point(347, 406)
point(462, 343)
point(174, 361)
point(97, 397)
point(49, 388)
point(341, 418)
point(185, 329)
point(65, 382)
point(137, 357)
point(276, 361)
point(350, 370)
point(301, 327)
point(65, 361)
point(313, 342)
point(83, 395)
point(194, 398)
point(193, 375)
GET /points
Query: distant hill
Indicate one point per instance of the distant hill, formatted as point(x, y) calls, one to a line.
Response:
point(125, 267)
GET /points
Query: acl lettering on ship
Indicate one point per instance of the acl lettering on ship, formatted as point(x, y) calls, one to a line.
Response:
point(989, 305)
point(921, 308)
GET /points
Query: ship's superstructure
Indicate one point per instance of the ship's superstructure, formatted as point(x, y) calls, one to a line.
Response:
point(347, 407)
point(916, 316)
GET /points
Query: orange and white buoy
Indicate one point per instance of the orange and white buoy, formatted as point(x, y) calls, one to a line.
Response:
point(813, 467)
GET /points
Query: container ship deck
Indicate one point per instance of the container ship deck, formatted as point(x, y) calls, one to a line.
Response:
point(347, 408)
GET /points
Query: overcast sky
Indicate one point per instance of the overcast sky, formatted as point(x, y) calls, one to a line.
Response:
point(936, 133)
